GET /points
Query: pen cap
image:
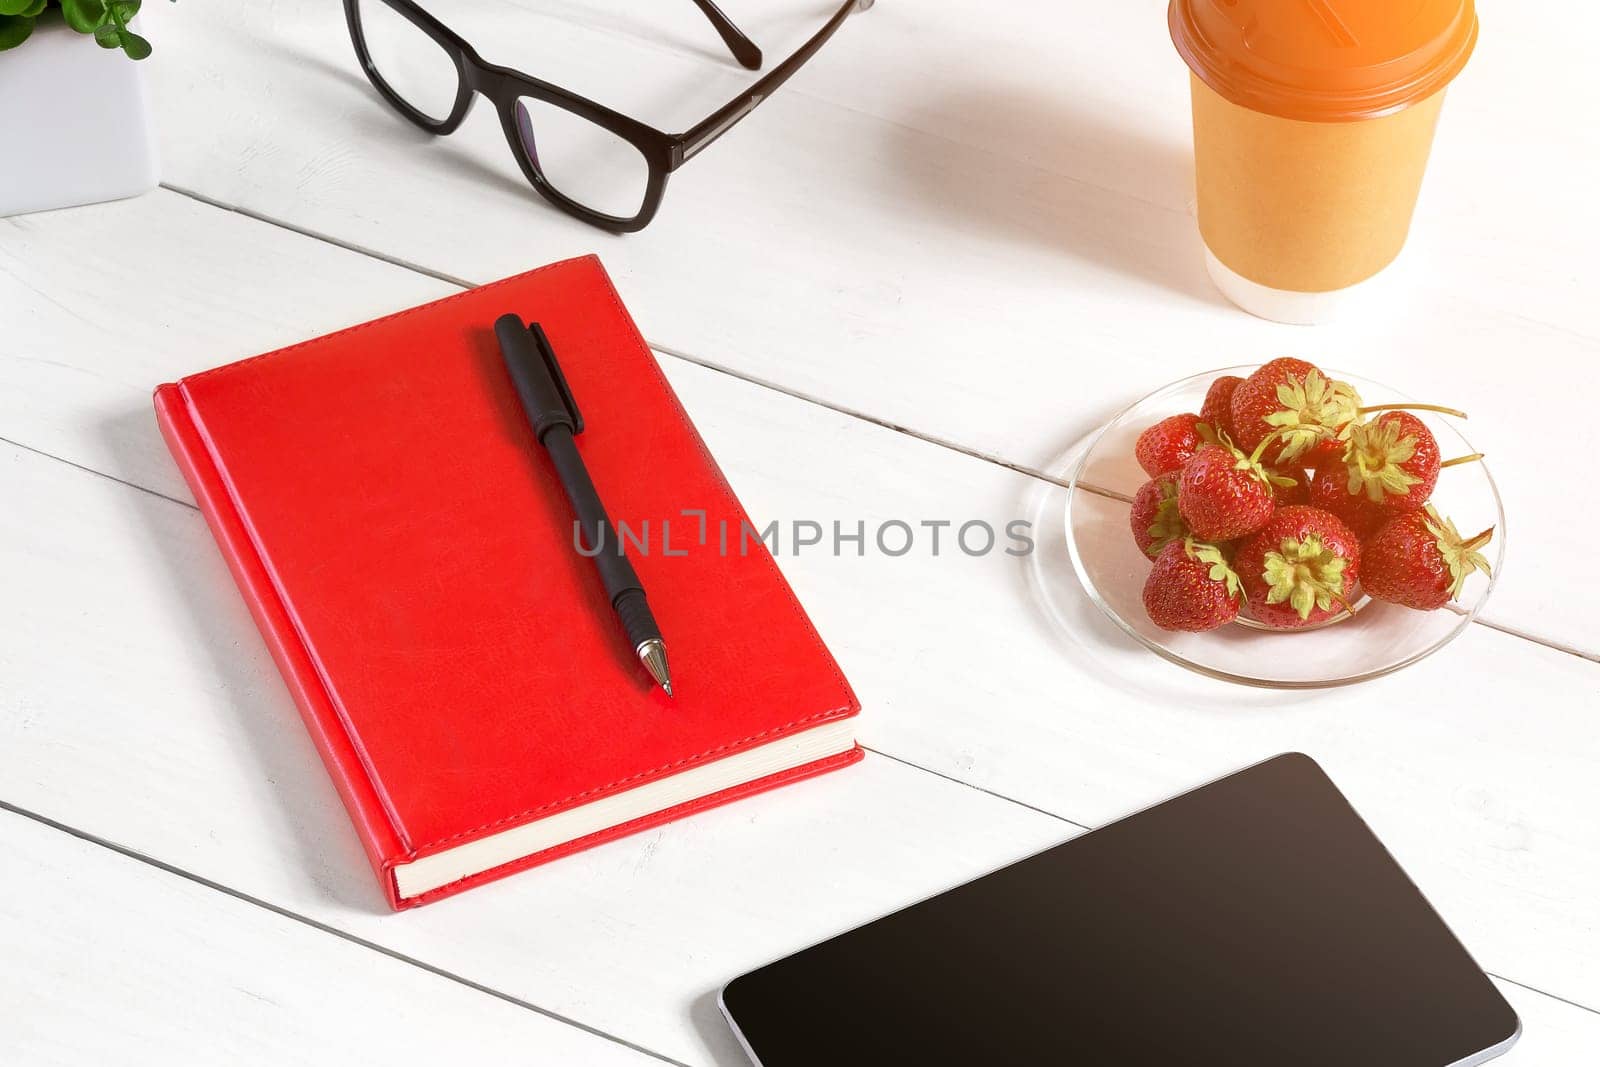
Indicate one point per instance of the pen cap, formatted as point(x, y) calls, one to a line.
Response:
point(540, 385)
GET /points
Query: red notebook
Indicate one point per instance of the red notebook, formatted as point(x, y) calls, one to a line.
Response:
point(408, 554)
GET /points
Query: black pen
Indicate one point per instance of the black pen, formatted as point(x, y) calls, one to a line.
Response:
point(553, 413)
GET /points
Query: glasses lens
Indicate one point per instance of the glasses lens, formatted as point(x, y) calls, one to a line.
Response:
point(584, 162)
point(412, 64)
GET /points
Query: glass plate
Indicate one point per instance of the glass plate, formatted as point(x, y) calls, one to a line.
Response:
point(1378, 639)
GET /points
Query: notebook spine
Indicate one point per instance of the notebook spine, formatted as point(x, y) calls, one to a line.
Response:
point(383, 844)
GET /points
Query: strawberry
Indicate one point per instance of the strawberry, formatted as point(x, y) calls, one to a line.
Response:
point(1420, 561)
point(1327, 450)
point(1289, 486)
point(1223, 494)
point(1295, 399)
point(1389, 467)
point(1168, 445)
point(1328, 490)
point(1215, 411)
point(1300, 569)
point(1191, 587)
point(1154, 516)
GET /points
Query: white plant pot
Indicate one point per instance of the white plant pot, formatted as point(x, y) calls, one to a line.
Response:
point(74, 123)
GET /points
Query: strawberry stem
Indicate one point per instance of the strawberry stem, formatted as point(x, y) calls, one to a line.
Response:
point(1343, 603)
point(1477, 541)
point(1460, 460)
point(1411, 407)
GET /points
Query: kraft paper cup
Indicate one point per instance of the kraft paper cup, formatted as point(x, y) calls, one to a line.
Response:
point(1313, 121)
point(1298, 217)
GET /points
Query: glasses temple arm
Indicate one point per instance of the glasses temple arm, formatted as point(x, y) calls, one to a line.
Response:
point(727, 116)
point(742, 47)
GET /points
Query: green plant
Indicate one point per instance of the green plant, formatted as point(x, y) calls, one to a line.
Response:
point(107, 20)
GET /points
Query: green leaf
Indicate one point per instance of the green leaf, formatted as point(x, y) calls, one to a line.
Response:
point(1219, 571)
point(14, 29)
point(125, 9)
point(1374, 458)
point(1168, 524)
point(135, 46)
point(1304, 573)
point(84, 15)
point(19, 7)
point(108, 36)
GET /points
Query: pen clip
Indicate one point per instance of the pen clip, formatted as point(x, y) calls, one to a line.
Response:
point(547, 353)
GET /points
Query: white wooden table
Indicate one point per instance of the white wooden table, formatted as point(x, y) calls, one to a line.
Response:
point(951, 246)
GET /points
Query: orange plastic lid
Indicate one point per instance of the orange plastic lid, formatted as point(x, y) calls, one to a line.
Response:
point(1324, 60)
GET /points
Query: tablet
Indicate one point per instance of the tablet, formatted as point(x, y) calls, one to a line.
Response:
point(1254, 922)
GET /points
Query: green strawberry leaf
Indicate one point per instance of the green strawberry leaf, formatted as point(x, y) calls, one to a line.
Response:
point(27, 8)
point(1461, 557)
point(1305, 573)
point(1374, 457)
point(1168, 524)
point(1311, 410)
point(1220, 570)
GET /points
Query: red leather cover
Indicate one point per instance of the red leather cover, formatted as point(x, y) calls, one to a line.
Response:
point(408, 555)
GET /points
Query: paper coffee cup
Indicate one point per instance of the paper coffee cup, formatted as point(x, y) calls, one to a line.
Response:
point(1312, 126)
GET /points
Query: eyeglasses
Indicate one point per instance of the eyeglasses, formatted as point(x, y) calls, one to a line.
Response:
point(593, 163)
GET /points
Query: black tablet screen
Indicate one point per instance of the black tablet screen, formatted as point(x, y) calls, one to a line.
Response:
point(1255, 921)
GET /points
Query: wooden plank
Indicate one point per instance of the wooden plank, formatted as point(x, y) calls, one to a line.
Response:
point(993, 212)
point(194, 286)
point(109, 960)
point(983, 693)
point(198, 759)
point(1477, 764)
point(1552, 1032)
point(140, 706)
point(102, 951)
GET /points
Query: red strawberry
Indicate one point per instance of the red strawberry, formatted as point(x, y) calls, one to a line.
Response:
point(1215, 411)
point(1154, 516)
point(1223, 494)
point(1168, 445)
point(1191, 587)
point(1390, 466)
point(1295, 399)
point(1420, 561)
point(1327, 450)
point(1329, 491)
point(1301, 569)
point(1296, 491)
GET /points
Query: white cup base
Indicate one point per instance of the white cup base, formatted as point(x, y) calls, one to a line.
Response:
point(1287, 305)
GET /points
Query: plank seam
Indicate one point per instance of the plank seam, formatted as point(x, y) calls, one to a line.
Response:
point(315, 924)
point(305, 920)
point(972, 453)
point(1081, 826)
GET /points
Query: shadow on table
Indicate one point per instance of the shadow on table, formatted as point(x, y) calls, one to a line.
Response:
point(715, 1032)
point(342, 90)
point(1049, 174)
point(1089, 642)
point(293, 785)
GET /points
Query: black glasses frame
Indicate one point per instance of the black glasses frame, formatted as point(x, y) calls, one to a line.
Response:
point(503, 86)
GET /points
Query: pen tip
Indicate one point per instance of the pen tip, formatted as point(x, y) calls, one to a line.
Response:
point(653, 654)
